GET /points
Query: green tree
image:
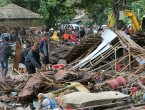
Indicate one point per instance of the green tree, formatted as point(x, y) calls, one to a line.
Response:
point(94, 10)
point(4, 2)
point(137, 6)
point(53, 10)
point(99, 16)
point(32, 5)
point(89, 5)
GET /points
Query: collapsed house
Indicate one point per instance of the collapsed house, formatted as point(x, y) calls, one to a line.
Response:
point(13, 15)
point(101, 65)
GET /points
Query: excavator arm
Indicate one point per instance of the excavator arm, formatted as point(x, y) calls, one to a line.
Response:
point(111, 20)
point(133, 18)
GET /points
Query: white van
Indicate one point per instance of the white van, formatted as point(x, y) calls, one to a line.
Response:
point(74, 25)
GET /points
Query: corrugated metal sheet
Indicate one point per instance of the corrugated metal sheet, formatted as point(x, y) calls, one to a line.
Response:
point(13, 11)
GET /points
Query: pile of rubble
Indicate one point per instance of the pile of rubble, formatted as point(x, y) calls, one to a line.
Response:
point(106, 72)
point(57, 49)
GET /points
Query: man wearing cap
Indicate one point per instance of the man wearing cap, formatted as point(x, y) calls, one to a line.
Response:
point(44, 50)
point(13, 36)
point(5, 52)
point(23, 55)
point(5, 34)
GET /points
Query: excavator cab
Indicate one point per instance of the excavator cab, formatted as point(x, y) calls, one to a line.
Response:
point(143, 23)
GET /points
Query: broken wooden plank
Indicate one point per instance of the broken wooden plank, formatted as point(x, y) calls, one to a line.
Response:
point(17, 55)
point(80, 88)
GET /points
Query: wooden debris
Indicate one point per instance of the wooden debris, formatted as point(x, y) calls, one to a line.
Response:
point(17, 55)
point(81, 88)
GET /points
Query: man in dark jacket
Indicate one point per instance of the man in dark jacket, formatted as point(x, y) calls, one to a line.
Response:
point(13, 36)
point(100, 28)
point(44, 50)
point(31, 60)
point(23, 55)
point(5, 52)
point(82, 33)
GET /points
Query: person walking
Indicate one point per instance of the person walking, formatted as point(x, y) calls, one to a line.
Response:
point(32, 61)
point(23, 55)
point(5, 52)
point(44, 50)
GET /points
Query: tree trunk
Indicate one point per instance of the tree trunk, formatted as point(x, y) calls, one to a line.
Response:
point(50, 23)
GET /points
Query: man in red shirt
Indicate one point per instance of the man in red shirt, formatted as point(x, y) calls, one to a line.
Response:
point(73, 38)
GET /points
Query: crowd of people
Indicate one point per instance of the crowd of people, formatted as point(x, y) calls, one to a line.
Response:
point(30, 55)
point(70, 34)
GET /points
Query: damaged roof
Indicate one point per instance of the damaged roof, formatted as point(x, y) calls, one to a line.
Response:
point(12, 11)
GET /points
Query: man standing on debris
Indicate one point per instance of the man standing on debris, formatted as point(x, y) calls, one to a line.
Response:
point(23, 55)
point(31, 61)
point(82, 33)
point(5, 52)
point(73, 38)
point(65, 37)
point(100, 29)
point(51, 32)
point(55, 37)
point(5, 34)
point(77, 33)
point(13, 36)
point(44, 50)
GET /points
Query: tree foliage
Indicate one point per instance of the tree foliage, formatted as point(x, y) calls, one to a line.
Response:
point(53, 10)
point(89, 5)
point(64, 10)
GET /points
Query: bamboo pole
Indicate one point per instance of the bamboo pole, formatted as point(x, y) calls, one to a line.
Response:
point(109, 63)
point(115, 60)
point(106, 54)
point(141, 67)
point(113, 76)
point(98, 60)
point(20, 74)
point(47, 83)
point(129, 59)
point(110, 67)
point(46, 77)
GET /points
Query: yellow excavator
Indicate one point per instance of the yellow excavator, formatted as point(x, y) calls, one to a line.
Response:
point(133, 18)
point(118, 6)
